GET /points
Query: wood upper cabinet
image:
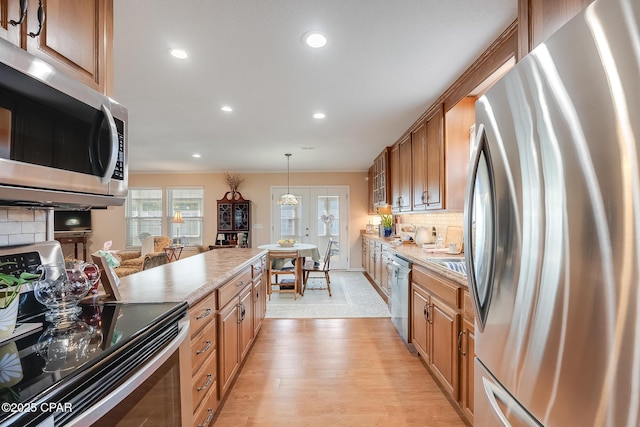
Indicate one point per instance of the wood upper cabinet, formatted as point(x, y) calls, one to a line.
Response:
point(427, 141)
point(460, 121)
point(380, 170)
point(400, 162)
point(76, 38)
point(371, 192)
point(539, 19)
point(394, 177)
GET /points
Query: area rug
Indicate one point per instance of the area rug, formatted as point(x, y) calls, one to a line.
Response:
point(352, 296)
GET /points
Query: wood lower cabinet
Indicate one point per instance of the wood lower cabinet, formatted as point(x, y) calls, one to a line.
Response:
point(204, 362)
point(259, 294)
point(436, 322)
point(229, 342)
point(235, 326)
point(466, 351)
point(444, 323)
point(76, 38)
point(420, 300)
point(375, 261)
point(223, 328)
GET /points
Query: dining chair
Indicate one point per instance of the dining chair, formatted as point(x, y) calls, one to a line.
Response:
point(322, 267)
point(277, 267)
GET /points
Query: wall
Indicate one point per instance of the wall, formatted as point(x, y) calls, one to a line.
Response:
point(109, 224)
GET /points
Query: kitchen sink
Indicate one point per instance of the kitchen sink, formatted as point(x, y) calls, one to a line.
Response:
point(456, 264)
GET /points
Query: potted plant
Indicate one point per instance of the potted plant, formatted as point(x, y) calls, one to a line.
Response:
point(9, 290)
point(386, 221)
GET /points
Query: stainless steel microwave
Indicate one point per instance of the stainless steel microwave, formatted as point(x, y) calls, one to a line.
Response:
point(62, 143)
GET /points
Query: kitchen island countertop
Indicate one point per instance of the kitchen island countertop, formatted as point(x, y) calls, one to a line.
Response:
point(189, 279)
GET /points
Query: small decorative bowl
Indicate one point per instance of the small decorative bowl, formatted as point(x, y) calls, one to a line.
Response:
point(286, 244)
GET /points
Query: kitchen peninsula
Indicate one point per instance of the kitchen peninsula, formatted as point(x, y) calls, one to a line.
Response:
point(226, 294)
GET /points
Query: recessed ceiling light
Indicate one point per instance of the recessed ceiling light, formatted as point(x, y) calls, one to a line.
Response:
point(319, 116)
point(179, 53)
point(197, 156)
point(315, 40)
point(226, 108)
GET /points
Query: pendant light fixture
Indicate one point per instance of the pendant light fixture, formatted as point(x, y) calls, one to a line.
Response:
point(288, 199)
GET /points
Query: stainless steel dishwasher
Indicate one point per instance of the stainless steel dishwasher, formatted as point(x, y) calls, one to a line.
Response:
point(400, 280)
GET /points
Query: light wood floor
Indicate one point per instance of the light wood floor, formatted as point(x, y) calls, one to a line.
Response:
point(334, 372)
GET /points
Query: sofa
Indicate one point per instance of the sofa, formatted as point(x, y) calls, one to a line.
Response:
point(151, 255)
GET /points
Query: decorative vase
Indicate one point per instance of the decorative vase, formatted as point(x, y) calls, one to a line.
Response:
point(61, 290)
point(387, 231)
point(8, 317)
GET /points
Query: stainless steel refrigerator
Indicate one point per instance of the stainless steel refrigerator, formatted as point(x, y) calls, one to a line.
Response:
point(552, 218)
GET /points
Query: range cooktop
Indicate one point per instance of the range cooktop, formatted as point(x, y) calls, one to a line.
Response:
point(56, 363)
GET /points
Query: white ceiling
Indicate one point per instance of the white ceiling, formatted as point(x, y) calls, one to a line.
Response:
point(384, 64)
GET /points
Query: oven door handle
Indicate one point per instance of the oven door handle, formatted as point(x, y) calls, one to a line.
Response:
point(113, 136)
point(93, 413)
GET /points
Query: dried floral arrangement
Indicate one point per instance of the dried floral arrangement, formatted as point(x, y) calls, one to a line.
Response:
point(233, 181)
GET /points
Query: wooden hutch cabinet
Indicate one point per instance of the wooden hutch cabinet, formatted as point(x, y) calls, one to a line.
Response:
point(234, 220)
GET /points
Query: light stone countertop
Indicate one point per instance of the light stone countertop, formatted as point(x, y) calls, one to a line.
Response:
point(428, 260)
point(189, 279)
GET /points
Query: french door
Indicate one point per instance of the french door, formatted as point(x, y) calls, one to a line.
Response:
point(322, 213)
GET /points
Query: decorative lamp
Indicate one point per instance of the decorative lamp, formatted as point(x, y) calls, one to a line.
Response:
point(177, 219)
point(288, 199)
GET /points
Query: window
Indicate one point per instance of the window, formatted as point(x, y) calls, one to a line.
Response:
point(189, 201)
point(143, 214)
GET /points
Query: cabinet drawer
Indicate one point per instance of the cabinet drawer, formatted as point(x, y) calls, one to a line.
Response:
point(202, 313)
point(203, 416)
point(447, 292)
point(205, 380)
point(232, 288)
point(256, 268)
point(203, 345)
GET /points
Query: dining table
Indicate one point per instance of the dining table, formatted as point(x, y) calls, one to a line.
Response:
point(303, 249)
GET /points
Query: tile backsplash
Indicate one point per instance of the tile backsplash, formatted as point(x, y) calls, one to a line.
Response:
point(22, 226)
point(440, 220)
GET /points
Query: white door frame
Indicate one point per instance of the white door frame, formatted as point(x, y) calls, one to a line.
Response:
point(313, 191)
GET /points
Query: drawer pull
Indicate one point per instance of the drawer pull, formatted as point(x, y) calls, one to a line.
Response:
point(207, 384)
point(208, 420)
point(206, 313)
point(240, 284)
point(206, 347)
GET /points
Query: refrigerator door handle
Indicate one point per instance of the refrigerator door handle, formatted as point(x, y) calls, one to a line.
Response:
point(510, 413)
point(480, 279)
